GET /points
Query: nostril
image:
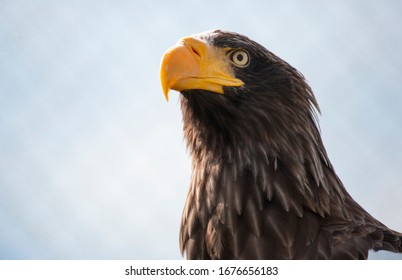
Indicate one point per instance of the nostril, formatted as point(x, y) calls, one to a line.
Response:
point(194, 50)
point(196, 47)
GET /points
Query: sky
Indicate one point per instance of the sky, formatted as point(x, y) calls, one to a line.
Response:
point(93, 164)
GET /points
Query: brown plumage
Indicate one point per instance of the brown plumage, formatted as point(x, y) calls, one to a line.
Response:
point(262, 185)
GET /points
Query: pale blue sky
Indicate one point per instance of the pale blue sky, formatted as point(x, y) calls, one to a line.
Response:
point(92, 159)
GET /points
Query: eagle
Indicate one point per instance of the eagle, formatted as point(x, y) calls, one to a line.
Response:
point(262, 185)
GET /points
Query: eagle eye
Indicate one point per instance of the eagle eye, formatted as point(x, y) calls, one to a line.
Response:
point(239, 57)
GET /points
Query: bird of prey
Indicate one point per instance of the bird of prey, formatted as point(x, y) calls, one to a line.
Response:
point(262, 186)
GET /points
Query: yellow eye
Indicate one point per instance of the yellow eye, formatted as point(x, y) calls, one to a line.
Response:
point(239, 58)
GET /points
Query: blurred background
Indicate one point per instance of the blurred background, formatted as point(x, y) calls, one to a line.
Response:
point(92, 159)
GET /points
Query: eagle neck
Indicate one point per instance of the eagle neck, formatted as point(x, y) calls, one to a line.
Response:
point(284, 158)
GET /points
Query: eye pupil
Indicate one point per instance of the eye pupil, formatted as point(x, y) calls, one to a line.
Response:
point(240, 57)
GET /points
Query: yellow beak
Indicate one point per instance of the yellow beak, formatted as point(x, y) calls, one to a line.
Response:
point(192, 64)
